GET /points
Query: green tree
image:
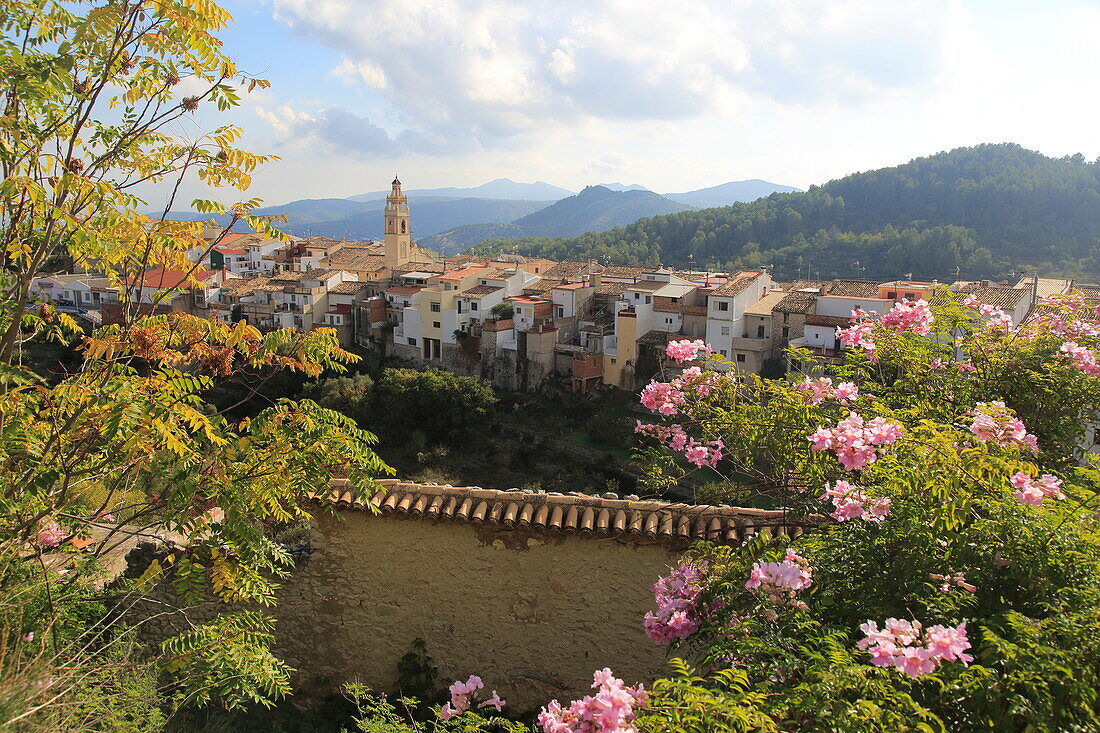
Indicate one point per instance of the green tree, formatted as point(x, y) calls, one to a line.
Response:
point(436, 402)
point(125, 445)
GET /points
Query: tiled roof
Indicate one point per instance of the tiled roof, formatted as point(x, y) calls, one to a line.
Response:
point(853, 288)
point(481, 290)
point(623, 271)
point(244, 286)
point(356, 258)
point(568, 269)
point(797, 302)
point(736, 286)
point(656, 338)
point(347, 288)
point(539, 286)
point(464, 272)
point(763, 307)
point(611, 288)
point(580, 514)
point(646, 285)
point(815, 320)
point(1005, 298)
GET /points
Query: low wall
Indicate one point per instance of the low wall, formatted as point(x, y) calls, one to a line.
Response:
point(531, 591)
point(532, 615)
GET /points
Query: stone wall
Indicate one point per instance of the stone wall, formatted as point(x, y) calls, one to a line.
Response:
point(533, 614)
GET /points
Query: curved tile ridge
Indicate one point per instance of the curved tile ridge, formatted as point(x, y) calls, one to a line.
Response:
point(575, 513)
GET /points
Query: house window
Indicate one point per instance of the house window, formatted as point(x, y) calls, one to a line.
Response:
point(723, 305)
point(473, 305)
point(786, 317)
point(435, 307)
point(637, 296)
point(668, 321)
point(614, 361)
point(460, 306)
point(891, 295)
point(760, 332)
point(435, 324)
point(559, 311)
point(648, 300)
point(723, 353)
point(725, 330)
point(740, 357)
point(786, 332)
point(412, 341)
point(910, 296)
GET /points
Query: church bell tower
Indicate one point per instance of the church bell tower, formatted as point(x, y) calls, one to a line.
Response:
point(398, 232)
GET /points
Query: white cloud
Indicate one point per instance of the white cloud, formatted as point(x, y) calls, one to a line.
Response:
point(499, 69)
point(609, 164)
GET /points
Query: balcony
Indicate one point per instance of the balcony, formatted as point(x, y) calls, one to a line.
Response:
point(747, 343)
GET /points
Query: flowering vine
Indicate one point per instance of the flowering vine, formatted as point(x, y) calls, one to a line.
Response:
point(610, 710)
point(909, 648)
point(855, 441)
point(679, 613)
point(995, 423)
point(850, 502)
point(1032, 491)
point(463, 695)
point(781, 581)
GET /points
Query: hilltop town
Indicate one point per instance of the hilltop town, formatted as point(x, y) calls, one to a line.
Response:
point(515, 320)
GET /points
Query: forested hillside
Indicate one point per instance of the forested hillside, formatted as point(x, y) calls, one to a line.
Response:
point(983, 211)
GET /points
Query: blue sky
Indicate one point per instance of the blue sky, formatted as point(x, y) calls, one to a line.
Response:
point(674, 96)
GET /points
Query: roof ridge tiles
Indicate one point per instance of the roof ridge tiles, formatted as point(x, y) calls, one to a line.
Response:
point(573, 513)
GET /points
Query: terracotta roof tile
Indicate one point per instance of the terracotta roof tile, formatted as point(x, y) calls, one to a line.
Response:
point(575, 513)
point(853, 288)
point(736, 286)
point(1006, 298)
point(481, 290)
point(816, 320)
point(347, 288)
point(568, 269)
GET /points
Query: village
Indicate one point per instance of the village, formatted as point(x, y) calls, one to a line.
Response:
point(515, 321)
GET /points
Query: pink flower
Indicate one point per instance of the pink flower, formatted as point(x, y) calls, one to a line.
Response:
point(1031, 491)
point(780, 581)
point(995, 423)
point(681, 351)
point(462, 694)
point(846, 391)
point(610, 710)
point(50, 533)
point(849, 502)
point(1082, 358)
point(29, 637)
point(494, 702)
point(911, 649)
point(679, 611)
point(854, 441)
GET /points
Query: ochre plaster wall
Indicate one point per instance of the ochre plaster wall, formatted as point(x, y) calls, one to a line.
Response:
point(532, 614)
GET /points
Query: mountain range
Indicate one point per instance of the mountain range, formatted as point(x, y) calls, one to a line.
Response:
point(993, 210)
point(453, 219)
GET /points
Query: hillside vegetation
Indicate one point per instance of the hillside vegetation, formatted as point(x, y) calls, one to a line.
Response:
point(976, 212)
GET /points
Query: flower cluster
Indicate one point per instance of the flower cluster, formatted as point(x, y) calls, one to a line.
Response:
point(821, 389)
point(1084, 359)
point(666, 398)
point(679, 613)
point(681, 351)
point(849, 502)
point(911, 649)
point(949, 580)
point(676, 438)
point(854, 440)
point(1064, 316)
point(995, 423)
point(861, 333)
point(906, 315)
point(1032, 491)
point(781, 581)
point(50, 533)
point(463, 695)
point(610, 710)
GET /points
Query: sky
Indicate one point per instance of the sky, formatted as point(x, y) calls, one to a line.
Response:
point(674, 96)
